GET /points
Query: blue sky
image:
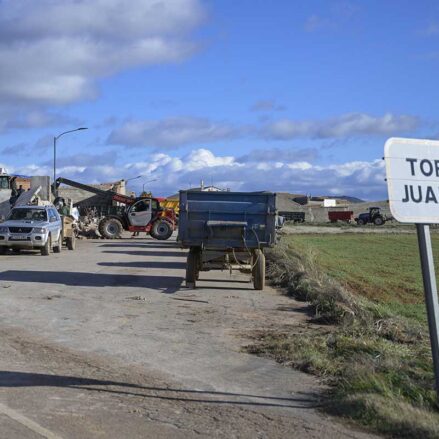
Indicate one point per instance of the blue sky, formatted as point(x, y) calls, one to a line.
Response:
point(252, 95)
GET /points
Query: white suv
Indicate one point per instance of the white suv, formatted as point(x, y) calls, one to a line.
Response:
point(32, 227)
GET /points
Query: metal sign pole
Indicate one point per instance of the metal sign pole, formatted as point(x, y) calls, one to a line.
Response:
point(430, 290)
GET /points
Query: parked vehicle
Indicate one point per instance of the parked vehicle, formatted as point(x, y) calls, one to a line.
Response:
point(373, 216)
point(341, 215)
point(143, 214)
point(297, 217)
point(68, 232)
point(227, 230)
point(69, 216)
point(171, 204)
point(32, 227)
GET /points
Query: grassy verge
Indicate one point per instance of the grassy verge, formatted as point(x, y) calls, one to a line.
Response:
point(376, 359)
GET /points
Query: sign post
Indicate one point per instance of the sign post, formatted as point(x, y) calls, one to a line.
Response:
point(430, 290)
point(412, 168)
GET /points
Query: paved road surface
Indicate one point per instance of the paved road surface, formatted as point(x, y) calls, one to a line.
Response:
point(106, 342)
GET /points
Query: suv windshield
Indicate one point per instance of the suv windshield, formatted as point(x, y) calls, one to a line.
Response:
point(28, 215)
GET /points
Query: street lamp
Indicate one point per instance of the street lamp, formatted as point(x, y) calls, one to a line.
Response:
point(140, 176)
point(149, 181)
point(129, 179)
point(134, 178)
point(55, 190)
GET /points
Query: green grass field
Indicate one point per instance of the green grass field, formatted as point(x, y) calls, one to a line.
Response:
point(382, 267)
point(375, 353)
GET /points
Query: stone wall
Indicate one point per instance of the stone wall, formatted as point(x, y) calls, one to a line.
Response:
point(88, 198)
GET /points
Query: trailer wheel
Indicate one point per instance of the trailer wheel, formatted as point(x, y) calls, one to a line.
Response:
point(258, 271)
point(198, 264)
point(191, 276)
point(71, 242)
point(193, 267)
point(161, 230)
point(110, 228)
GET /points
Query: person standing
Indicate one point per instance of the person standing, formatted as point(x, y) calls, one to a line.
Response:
point(14, 191)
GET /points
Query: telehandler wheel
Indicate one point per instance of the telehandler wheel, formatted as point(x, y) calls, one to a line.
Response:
point(258, 271)
point(57, 247)
point(110, 228)
point(71, 242)
point(161, 230)
point(45, 251)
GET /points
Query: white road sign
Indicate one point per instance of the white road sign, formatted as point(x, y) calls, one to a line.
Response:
point(412, 168)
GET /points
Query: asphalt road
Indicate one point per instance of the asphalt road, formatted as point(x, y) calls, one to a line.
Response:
point(106, 342)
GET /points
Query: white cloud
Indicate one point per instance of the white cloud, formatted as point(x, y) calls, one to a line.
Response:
point(346, 125)
point(13, 118)
point(280, 154)
point(359, 178)
point(303, 166)
point(267, 105)
point(203, 158)
point(15, 150)
point(431, 29)
point(315, 23)
point(171, 133)
point(54, 51)
point(340, 14)
point(179, 131)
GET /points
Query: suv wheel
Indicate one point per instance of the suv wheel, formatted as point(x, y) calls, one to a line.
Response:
point(45, 251)
point(58, 246)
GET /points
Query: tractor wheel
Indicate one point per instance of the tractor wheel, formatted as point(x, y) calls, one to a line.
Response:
point(258, 270)
point(57, 247)
point(193, 267)
point(360, 222)
point(110, 228)
point(161, 230)
point(45, 251)
point(71, 242)
point(378, 221)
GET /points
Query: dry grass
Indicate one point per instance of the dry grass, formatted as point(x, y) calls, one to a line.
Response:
point(388, 416)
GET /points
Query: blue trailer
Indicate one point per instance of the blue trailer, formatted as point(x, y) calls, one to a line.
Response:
point(227, 230)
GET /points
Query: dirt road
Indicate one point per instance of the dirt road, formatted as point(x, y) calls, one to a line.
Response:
point(106, 342)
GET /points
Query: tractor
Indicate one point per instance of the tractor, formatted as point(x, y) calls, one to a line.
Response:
point(373, 216)
point(142, 214)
